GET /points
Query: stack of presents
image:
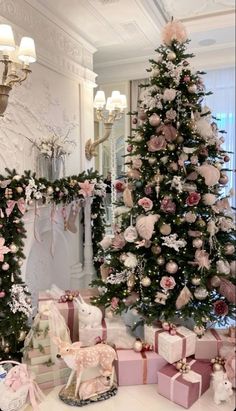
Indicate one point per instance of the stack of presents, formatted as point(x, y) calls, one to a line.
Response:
point(172, 357)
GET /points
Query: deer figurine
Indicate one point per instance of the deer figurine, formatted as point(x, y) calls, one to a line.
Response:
point(80, 358)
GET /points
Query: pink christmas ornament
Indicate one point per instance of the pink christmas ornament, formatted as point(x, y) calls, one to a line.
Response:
point(156, 144)
point(3, 248)
point(167, 205)
point(210, 173)
point(168, 131)
point(193, 199)
point(146, 203)
point(172, 267)
point(119, 186)
point(154, 120)
point(167, 283)
point(2, 294)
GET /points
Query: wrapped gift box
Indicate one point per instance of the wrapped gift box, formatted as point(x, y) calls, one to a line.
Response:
point(68, 310)
point(184, 389)
point(207, 347)
point(134, 368)
point(40, 341)
point(171, 347)
point(113, 331)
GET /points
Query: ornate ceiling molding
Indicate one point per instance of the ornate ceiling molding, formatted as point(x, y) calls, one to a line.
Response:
point(56, 48)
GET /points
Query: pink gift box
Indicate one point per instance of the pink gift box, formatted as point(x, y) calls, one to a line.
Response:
point(134, 368)
point(207, 347)
point(184, 389)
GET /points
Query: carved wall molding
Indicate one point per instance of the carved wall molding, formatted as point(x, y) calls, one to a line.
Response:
point(55, 47)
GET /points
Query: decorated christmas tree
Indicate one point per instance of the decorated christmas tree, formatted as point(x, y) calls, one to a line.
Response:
point(173, 249)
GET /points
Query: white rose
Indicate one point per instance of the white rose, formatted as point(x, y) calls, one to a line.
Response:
point(169, 94)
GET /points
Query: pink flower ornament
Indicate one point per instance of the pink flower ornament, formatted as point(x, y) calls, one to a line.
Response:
point(146, 203)
point(167, 205)
point(86, 189)
point(167, 283)
point(193, 199)
point(156, 143)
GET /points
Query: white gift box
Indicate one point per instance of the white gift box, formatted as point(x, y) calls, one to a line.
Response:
point(112, 331)
point(171, 347)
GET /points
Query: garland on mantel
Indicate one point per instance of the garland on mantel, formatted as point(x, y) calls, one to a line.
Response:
point(17, 194)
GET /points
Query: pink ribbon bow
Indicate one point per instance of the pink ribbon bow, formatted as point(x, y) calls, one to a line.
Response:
point(11, 204)
point(171, 328)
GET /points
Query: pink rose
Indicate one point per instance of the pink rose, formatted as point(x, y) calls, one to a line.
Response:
point(221, 308)
point(167, 205)
point(119, 186)
point(168, 283)
point(129, 148)
point(168, 131)
point(193, 199)
point(156, 143)
point(146, 203)
point(137, 162)
point(186, 79)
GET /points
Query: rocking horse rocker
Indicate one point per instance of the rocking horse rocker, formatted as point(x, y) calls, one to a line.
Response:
point(79, 359)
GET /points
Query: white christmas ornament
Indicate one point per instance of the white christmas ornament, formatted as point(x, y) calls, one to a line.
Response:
point(171, 267)
point(200, 293)
point(172, 242)
point(131, 260)
point(137, 138)
point(171, 56)
point(130, 234)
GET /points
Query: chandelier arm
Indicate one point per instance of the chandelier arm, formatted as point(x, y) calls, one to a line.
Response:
point(19, 79)
point(5, 71)
point(91, 145)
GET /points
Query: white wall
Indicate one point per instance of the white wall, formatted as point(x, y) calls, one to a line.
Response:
point(58, 93)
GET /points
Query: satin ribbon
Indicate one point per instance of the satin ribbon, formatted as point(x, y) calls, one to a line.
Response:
point(36, 215)
point(218, 339)
point(144, 357)
point(191, 376)
point(53, 212)
point(11, 204)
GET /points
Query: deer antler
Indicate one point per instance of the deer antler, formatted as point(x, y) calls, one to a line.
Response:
point(90, 145)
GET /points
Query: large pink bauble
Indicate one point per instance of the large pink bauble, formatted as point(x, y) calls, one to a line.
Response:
point(192, 88)
point(197, 243)
point(223, 179)
point(154, 120)
point(5, 266)
point(142, 115)
point(229, 249)
point(172, 267)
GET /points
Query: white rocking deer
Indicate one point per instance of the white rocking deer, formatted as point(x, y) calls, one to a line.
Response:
point(78, 359)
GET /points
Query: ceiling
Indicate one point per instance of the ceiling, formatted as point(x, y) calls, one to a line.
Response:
point(126, 33)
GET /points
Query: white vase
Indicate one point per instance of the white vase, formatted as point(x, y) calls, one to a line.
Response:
point(51, 168)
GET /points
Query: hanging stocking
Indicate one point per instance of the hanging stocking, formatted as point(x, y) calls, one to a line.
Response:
point(71, 226)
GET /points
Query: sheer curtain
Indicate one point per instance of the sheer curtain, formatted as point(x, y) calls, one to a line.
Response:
point(222, 104)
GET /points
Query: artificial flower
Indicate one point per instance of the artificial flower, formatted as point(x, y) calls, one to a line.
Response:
point(3, 249)
point(169, 94)
point(167, 205)
point(86, 188)
point(146, 203)
point(220, 308)
point(156, 143)
point(167, 283)
point(119, 186)
point(193, 199)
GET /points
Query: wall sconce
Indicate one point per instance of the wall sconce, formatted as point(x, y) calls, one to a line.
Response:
point(15, 62)
point(114, 110)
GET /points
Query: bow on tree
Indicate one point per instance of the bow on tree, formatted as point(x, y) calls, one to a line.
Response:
point(11, 204)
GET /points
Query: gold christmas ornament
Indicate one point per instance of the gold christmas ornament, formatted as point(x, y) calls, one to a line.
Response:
point(156, 249)
point(196, 280)
point(19, 190)
point(22, 335)
point(146, 281)
point(160, 260)
point(192, 88)
point(171, 55)
point(131, 282)
point(165, 229)
point(200, 293)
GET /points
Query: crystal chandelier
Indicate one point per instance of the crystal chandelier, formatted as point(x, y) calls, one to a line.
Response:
point(15, 62)
point(108, 112)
